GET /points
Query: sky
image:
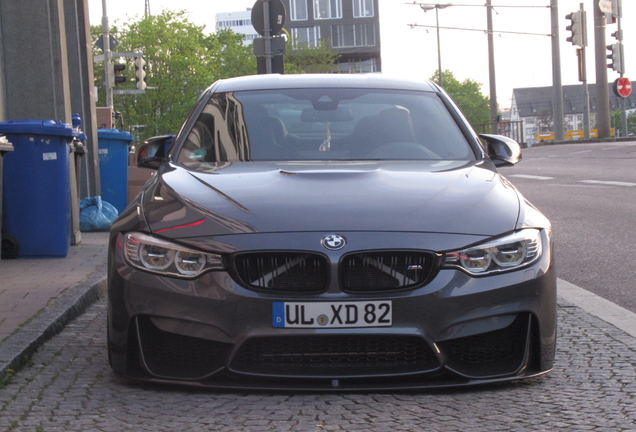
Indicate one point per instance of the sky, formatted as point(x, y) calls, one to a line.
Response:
point(521, 60)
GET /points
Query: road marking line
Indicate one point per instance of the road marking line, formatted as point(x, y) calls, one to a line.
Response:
point(579, 152)
point(609, 183)
point(532, 177)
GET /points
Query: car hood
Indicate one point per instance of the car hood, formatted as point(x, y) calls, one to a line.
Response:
point(456, 197)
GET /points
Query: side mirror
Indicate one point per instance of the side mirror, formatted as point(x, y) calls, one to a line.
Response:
point(503, 151)
point(153, 151)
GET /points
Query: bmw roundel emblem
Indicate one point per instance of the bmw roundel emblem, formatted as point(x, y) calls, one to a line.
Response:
point(333, 242)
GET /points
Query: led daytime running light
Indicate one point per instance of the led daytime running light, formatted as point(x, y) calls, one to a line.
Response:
point(159, 256)
point(507, 253)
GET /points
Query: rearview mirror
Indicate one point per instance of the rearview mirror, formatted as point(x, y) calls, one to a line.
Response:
point(153, 151)
point(503, 151)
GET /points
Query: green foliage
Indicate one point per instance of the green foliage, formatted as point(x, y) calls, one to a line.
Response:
point(468, 97)
point(303, 59)
point(181, 62)
point(617, 121)
point(234, 59)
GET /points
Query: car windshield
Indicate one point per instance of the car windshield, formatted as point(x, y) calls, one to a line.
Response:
point(324, 124)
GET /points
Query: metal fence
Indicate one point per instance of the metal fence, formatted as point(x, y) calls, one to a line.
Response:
point(511, 129)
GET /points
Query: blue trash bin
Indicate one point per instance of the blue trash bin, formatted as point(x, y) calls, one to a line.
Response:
point(5, 147)
point(36, 183)
point(113, 166)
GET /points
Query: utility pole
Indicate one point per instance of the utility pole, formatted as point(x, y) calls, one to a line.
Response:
point(602, 89)
point(557, 95)
point(491, 70)
point(586, 92)
point(107, 56)
point(439, 49)
point(583, 74)
point(437, 7)
point(619, 35)
point(268, 37)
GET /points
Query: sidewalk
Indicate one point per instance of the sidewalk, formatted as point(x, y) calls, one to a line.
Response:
point(39, 296)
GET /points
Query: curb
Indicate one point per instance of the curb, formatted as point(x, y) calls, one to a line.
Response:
point(50, 321)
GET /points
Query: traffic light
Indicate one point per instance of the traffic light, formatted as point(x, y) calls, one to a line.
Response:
point(616, 56)
point(140, 72)
point(577, 27)
point(115, 79)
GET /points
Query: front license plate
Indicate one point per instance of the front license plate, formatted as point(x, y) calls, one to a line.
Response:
point(332, 315)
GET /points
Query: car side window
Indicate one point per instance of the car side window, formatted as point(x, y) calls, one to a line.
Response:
point(218, 135)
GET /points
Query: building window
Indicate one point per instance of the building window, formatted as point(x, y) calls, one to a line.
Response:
point(298, 10)
point(362, 8)
point(233, 23)
point(358, 66)
point(306, 36)
point(327, 9)
point(352, 35)
point(530, 120)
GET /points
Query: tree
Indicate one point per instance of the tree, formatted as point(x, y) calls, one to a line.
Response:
point(304, 59)
point(234, 59)
point(181, 61)
point(617, 122)
point(545, 122)
point(468, 97)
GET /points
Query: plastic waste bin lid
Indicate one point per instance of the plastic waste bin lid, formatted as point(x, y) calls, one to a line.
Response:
point(114, 134)
point(37, 127)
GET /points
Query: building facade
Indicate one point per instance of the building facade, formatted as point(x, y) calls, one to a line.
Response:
point(350, 27)
point(238, 22)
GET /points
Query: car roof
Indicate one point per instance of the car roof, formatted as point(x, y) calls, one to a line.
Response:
point(277, 81)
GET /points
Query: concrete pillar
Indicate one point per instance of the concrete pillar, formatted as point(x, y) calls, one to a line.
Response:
point(2, 115)
point(34, 60)
point(80, 72)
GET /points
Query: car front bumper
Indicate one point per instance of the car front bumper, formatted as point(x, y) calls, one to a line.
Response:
point(456, 330)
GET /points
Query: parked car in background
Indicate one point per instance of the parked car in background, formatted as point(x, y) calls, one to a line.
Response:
point(330, 232)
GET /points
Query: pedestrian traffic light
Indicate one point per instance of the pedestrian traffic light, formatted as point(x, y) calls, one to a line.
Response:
point(140, 72)
point(616, 56)
point(115, 79)
point(577, 27)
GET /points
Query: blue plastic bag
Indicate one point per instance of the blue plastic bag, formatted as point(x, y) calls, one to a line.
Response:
point(96, 215)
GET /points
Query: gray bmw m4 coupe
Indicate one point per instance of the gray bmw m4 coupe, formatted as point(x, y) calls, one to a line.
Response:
point(330, 232)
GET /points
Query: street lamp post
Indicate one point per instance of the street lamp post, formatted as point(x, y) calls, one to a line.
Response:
point(427, 8)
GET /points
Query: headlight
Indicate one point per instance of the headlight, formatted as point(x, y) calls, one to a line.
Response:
point(507, 253)
point(159, 256)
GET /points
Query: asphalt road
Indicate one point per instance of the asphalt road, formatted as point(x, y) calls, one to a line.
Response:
point(588, 191)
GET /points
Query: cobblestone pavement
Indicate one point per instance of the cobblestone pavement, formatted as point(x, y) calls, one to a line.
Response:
point(70, 387)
